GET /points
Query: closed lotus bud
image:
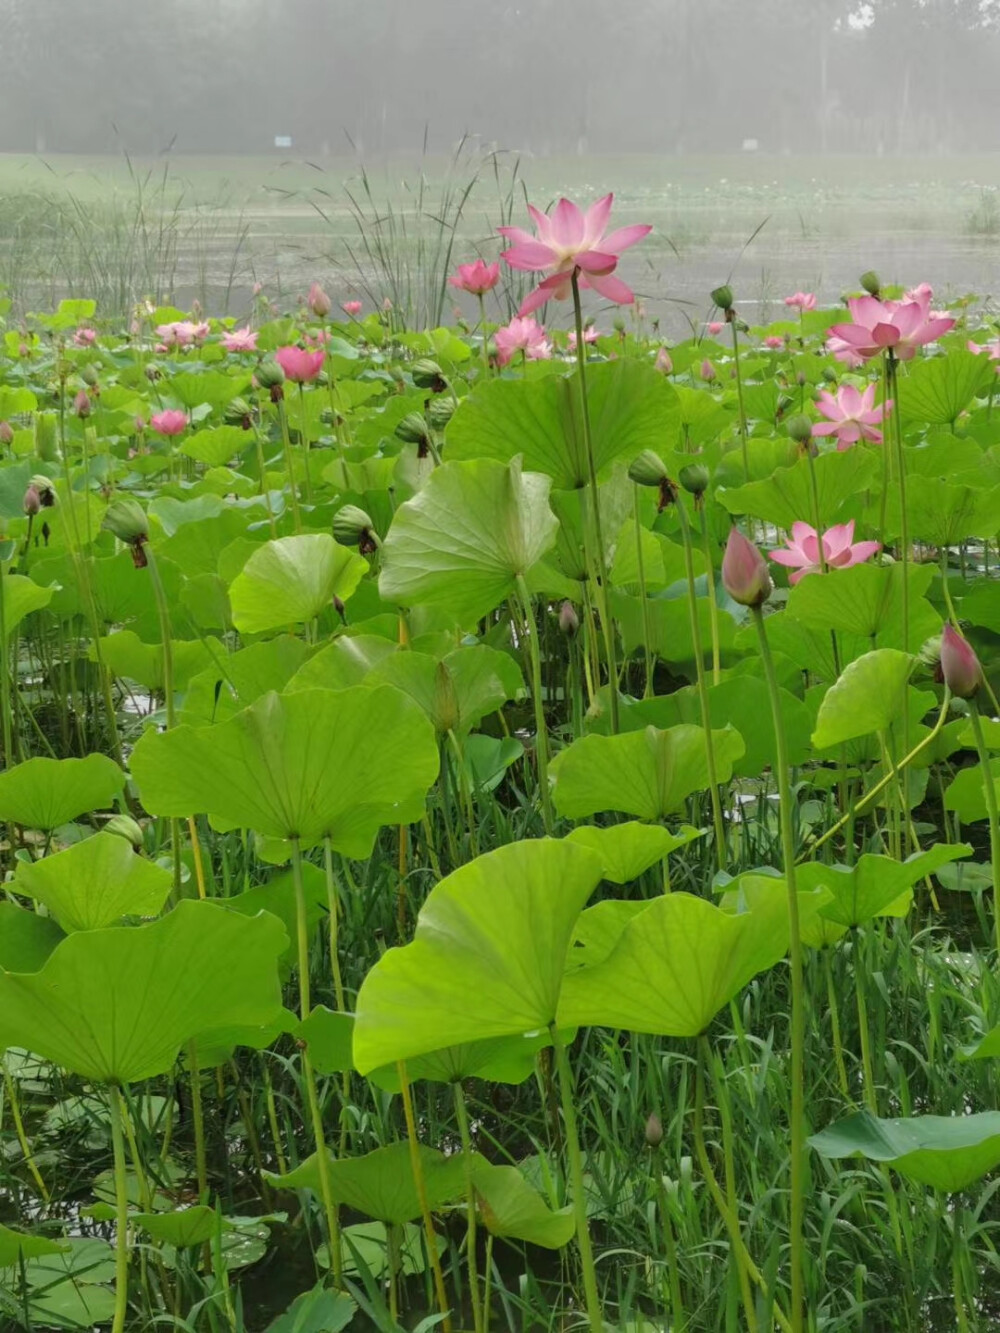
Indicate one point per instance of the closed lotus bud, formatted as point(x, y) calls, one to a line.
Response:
point(124, 826)
point(81, 404)
point(445, 707)
point(319, 303)
point(569, 621)
point(353, 527)
point(428, 374)
point(269, 374)
point(799, 428)
point(707, 371)
point(654, 1131)
point(723, 297)
point(32, 501)
point(830, 375)
point(663, 363)
point(870, 282)
point(43, 486)
point(126, 519)
point(619, 327)
point(694, 478)
point(440, 411)
point(412, 429)
point(339, 607)
point(960, 667)
point(801, 379)
point(648, 469)
point(6, 433)
point(744, 571)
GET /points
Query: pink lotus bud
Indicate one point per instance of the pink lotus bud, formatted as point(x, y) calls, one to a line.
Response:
point(6, 433)
point(960, 668)
point(352, 308)
point(707, 371)
point(256, 289)
point(32, 501)
point(744, 571)
point(24, 350)
point(318, 301)
point(569, 621)
point(663, 362)
point(81, 404)
point(715, 327)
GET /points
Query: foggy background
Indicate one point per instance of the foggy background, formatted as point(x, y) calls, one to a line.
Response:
point(544, 76)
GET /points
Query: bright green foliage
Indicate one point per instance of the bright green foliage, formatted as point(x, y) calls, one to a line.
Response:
point(948, 1153)
point(44, 793)
point(94, 883)
point(291, 581)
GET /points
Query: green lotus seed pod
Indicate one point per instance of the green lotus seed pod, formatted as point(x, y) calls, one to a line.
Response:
point(799, 428)
point(126, 519)
point(428, 374)
point(694, 477)
point(125, 827)
point(269, 374)
point(351, 525)
point(870, 282)
point(723, 297)
point(413, 429)
point(648, 469)
point(440, 411)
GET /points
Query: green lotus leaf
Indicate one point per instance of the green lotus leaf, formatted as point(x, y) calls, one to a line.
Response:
point(868, 698)
point(948, 1153)
point(495, 1060)
point(44, 793)
point(456, 692)
point(784, 497)
point(867, 601)
point(94, 883)
point(944, 514)
point(349, 660)
point(117, 1005)
point(487, 958)
point(184, 1227)
point(217, 445)
point(938, 388)
point(465, 537)
point(631, 408)
point(648, 773)
point(26, 938)
point(124, 654)
point(15, 1245)
point(337, 763)
point(669, 626)
point(510, 1207)
point(329, 1039)
point(317, 1310)
point(627, 850)
point(291, 580)
point(19, 596)
point(235, 681)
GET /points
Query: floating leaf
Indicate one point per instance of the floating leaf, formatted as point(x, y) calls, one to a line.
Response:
point(15, 1245)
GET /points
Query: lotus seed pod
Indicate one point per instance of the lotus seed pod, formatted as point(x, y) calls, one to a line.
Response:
point(654, 1130)
point(239, 413)
point(694, 478)
point(799, 428)
point(126, 519)
point(870, 282)
point(124, 826)
point(440, 412)
point(745, 575)
point(413, 429)
point(269, 374)
point(960, 667)
point(90, 376)
point(428, 374)
point(723, 297)
point(43, 485)
point(648, 469)
point(351, 525)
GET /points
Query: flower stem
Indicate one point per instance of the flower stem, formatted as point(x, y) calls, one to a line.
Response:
point(433, 1258)
point(739, 400)
point(797, 1183)
point(599, 571)
point(892, 367)
point(286, 445)
point(482, 332)
point(121, 1212)
point(541, 732)
point(991, 809)
point(462, 1115)
point(647, 634)
point(593, 1300)
point(713, 601)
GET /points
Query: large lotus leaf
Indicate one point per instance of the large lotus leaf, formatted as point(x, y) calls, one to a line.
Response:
point(487, 957)
point(867, 601)
point(317, 1310)
point(15, 1245)
point(981, 604)
point(631, 406)
point(669, 626)
point(381, 1183)
point(117, 1005)
point(217, 445)
point(459, 690)
point(291, 580)
point(26, 938)
point(196, 547)
point(495, 1060)
point(510, 1207)
point(869, 696)
point(94, 883)
point(19, 596)
point(936, 389)
point(345, 662)
point(873, 886)
point(943, 514)
point(465, 537)
point(329, 1039)
point(237, 680)
point(966, 793)
point(337, 763)
point(948, 1153)
point(677, 962)
point(783, 499)
point(184, 1227)
point(66, 1290)
point(599, 929)
point(125, 655)
point(648, 773)
point(196, 386)
point(44, 793)
point(662, 560)
point(811, 650)
point(278, 897)
point(626, 850)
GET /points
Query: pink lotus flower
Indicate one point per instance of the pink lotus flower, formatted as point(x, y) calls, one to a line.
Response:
point(81, 404)
point(240, 340)
point(745, 575)
point(85, 337)
point(715, 327)
point(572, 242)
point(476, 278)
point(922, 292)
point(590, 335)
point(707, 371)
point(773, 342)
point(525, 335)
point(851, 415)
point(351, 308)
point(664, 363)
point(801, 301)
point(300, 366)
point(844, 352)
point(881, 326)
point(840, 550)
point(990, 349)
point(182, 332)
point(318, 301)
point(170, 422)
point(960, 667)
point(317, 338)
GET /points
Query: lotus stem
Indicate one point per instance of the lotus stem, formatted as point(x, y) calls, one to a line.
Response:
point(433, 1258)
point(472, 1259)
point(713, 601)
point(990, 791)
point(647, 634)
point(573, 1153)
point(333, 912)
point(198, 1120)
point(739, 400)
point(892, 377)
point(5, 711)
point(304, 430)
point(10, 1091)
point(797, 1181)
point(541, 731)
point(599, 570)
point(121, 1211)
point(482, 330)
point(678, 1318)
point(286, 445)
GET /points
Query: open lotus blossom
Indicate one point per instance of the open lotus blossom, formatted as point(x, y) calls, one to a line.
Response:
point(476, 278)
point(801, 301)
point(522, 334)
point(851, 415)
point(922, 291)
point(169, 422)
point(85, 337)
point(990, 349)
point(774, 342)
point(183, 332)
point(844, 352)
point(300, 365)
point(351, 308)
point(590, 335)
point(840, 550)
point(572, 242)
point(899, 326)
point(240, 340)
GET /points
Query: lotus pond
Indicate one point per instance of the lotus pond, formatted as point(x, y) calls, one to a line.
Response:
point(500, 822)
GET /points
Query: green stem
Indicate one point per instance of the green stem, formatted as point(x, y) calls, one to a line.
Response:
point(797, 1182)
point(121, 1212)
point(482, 331)
point(472, 1259)
point(599, 571)
point(541, 731)
point(5, 711)
point(304, 430)
point(647, 633)
point(864, 1032)
point(198, 1120)
point(286, 445)
point(739, 400)
point(991, 810)
point(713, 601)
point(416, 1166)
point(904, 522)
point(678, 1318)
point(10, 1091)
point(333, 911)
point(593, 1300)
